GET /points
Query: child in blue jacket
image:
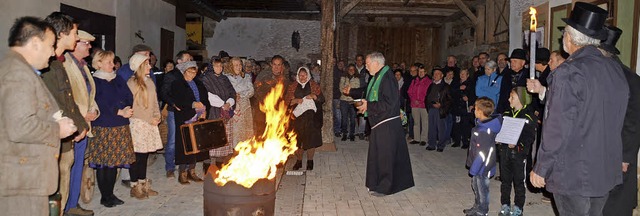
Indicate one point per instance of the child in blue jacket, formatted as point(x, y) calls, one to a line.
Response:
point(481, 159)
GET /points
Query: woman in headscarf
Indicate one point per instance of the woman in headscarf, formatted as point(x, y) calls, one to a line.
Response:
point(191, 105)
point(243, 119)
point(143, 124)
point(306, 99)
point(111, 146)
point(221, 96)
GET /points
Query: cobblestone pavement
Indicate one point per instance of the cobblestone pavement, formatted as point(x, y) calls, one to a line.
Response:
point(336, 187)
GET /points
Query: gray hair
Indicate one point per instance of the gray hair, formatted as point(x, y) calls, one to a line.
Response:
point(579, 39)
point(377, 57)
point(491, 64)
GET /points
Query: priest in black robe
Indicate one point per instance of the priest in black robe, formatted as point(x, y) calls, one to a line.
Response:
point(388, 163)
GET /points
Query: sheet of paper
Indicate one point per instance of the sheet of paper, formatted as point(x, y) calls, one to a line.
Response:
point(510, 131)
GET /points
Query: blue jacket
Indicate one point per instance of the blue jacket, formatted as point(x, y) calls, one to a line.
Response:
point(489, 86)
point(481, 159)
point(125, 72)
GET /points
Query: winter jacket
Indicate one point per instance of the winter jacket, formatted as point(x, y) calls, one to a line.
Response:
point(418, 91)
point(489, 86)
point(528, 135)
point(459, 106)
point(481, 159)
point(444, 98)
point(352, 81)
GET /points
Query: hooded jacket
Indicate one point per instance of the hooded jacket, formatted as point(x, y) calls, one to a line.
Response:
point(481, 159)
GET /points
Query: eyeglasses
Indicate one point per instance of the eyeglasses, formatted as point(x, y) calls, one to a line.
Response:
point(84, 42)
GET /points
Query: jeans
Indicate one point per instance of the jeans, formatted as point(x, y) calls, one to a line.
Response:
point(75, 181)
point(170, 148)
point(480, 186)
point(570, 205)
point(448, 125)
point(410, 124)
point(348, 112)
point(337, 115)
point(362, 124)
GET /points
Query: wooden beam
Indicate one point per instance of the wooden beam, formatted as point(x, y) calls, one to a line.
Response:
point(480, 26)
point(411, 12)
point(326, 77)
point(466, 11)
point(344, 11)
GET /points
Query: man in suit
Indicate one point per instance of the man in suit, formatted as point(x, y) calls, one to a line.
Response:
point(29, 132)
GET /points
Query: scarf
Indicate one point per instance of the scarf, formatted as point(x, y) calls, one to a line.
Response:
point(298, 76)
point(105, 75)
point(374, 86)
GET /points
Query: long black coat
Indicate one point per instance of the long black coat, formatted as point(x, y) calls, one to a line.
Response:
point(624, 197)
point(388, 163)
point(581, 150)
point(183, 100)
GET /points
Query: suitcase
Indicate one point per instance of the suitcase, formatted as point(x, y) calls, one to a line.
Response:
point(203, 136)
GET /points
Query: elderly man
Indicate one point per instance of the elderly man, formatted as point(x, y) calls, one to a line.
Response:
point(30, 123)
point(581, 152)
point(452, 65)
point(388, 163)
point(624, 197)
point(59, 85)
point(84, 92)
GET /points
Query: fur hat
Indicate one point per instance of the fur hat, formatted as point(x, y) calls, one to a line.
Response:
point(524, 96)
point(186, 65)
point(136, 60)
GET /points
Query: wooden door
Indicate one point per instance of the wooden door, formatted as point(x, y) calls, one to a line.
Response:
point(166, 45)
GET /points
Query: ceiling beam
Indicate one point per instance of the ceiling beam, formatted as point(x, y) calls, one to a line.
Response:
point(466, 11)
point(404, 11)
point(344, 11)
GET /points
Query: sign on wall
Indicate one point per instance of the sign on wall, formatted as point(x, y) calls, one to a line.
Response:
point(194, 31)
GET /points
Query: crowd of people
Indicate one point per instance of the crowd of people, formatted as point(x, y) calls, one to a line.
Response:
point(67, 106)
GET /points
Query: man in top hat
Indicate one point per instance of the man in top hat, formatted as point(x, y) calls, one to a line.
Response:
point(516, 76)
point(623, 198)
point(84, 92)
point(581, 152)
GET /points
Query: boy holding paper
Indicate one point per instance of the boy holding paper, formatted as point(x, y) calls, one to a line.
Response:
point(513, 156)
point(481, 159)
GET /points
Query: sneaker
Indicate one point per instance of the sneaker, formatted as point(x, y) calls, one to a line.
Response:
point(505, 210)
point(470, 210)
point(516, 211)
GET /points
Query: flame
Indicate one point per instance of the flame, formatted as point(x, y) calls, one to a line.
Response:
point(257, 158)
point(534, 20)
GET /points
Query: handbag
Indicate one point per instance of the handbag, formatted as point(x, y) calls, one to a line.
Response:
point(203, 135)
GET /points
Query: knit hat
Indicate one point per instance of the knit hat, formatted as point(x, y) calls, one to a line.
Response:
point(186, 65)
point(523, 95)
point(83, 35)
point(136, 60)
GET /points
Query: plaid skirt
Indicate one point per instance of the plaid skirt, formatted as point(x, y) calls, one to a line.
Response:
point(228, 149)
point(110, 146)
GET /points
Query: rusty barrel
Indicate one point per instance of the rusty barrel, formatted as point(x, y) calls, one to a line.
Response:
point(235, 200)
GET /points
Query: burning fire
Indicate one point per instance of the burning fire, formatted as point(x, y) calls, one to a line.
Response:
point(534, 20)
point(257, 158)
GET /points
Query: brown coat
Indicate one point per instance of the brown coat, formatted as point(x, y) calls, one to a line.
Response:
point(29, 136)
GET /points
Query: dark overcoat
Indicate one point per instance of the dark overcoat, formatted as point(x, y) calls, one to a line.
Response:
point(581, 150)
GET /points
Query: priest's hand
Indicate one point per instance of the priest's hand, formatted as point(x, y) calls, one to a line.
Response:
point(536, 180)
point(362, 108)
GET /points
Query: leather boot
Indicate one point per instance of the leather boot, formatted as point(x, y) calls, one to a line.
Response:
point(146, 188)
point(193, 177)
point(183, 178)
point(309, 164)
point(205, 167)
point(137, 192)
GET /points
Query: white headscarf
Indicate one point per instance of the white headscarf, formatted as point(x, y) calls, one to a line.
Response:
point(298, 76)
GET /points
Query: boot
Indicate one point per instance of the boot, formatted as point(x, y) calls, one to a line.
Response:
point(137, 192)
point(205, 167)
point(344, 137)
point(298, 165)
point(183, 178)
point(193, 177)
point(146, 188)
point(309, 164)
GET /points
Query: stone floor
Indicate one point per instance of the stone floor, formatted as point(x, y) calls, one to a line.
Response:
point(336, 187)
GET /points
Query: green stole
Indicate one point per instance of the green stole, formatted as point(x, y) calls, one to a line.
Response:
point(374, 86)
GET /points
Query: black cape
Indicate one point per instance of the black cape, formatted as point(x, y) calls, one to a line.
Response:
point(388, 163)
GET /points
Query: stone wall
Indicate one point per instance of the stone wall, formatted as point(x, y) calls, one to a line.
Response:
point(260, 39)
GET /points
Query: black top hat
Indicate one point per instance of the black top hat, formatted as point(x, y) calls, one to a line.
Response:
point(518, 54)
point(588, 19)
point(609, 44)
point(542, 55)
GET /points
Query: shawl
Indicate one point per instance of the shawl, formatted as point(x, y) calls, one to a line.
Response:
point(219, 86)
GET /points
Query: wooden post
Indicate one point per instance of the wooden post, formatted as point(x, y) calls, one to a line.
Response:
point(491, 21)
point(326, 79)
point(480, 25)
